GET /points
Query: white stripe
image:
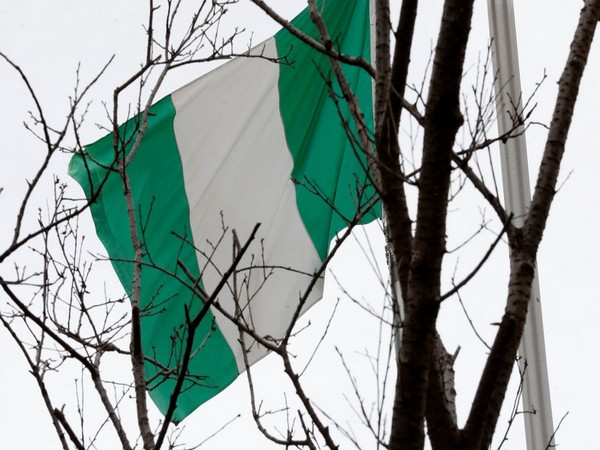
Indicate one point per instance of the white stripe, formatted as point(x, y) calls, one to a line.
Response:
point(236, 161)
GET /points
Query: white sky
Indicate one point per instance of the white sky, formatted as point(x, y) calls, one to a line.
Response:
point(49, 39)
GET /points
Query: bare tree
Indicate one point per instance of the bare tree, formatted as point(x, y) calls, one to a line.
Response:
point(424, 387)
point(55, 321)
point(61, 326)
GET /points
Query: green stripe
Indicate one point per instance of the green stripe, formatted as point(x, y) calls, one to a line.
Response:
point(158, 191)
point(314, 131)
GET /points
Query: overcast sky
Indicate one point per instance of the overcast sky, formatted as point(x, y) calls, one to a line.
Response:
point(49, 39)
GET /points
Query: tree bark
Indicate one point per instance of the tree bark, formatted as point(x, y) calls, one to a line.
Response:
point(442, 121)
point(389, 89)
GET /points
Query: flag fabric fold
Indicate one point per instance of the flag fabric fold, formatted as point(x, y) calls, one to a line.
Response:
point(250, 142)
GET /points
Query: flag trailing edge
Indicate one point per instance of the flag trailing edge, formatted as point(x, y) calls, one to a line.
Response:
point(250, 142)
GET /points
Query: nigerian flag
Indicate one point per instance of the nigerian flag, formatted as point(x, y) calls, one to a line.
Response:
point(250, 142)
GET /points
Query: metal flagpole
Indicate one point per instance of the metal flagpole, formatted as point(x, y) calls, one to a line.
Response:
point(517, 195)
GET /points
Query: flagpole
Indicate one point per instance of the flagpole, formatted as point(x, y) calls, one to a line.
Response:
point(517, 195)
